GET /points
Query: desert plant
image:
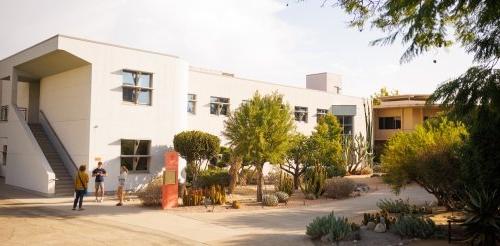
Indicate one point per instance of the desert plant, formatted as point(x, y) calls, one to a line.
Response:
point(211, 177)
point(411, 226)
point(236, 205)
point(296, 157)
point(482, 224)
point(193, 197)
point(314, 181)
point(310, 196)
point(335, 228)
point(338, 187)
point(424, 155)
point(216, 193)
point(270, 200)
point(355, 152)
point(151, 194)
point(284, 182)
point(394, 206)
point(260, 129)
point(282, 196)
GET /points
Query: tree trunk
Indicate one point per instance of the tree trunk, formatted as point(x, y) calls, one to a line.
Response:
point(233, 172)
point(296, 180)
point(260, 182)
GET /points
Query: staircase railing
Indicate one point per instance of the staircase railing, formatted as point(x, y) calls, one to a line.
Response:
point(58, 145)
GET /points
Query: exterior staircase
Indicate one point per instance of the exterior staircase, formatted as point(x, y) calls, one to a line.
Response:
point(64, 182)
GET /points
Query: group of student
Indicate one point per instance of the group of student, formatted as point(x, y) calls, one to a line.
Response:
point(82, 180)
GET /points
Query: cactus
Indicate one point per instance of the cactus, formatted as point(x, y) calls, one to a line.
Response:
point(282, 196)
point(270, 200)
point(284, 183)
point(314, 180)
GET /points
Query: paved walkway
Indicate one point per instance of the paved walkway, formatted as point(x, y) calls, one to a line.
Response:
point(26, 219)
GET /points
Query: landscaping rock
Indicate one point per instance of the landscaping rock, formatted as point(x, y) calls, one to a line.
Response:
point(380, 228)
point(370, 226)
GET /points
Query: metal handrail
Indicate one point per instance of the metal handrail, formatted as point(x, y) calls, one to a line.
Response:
point(59, 142)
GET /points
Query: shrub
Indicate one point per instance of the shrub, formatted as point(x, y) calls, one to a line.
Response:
point(196, 147)
point(196, 196)
point(336, 228)
point(397, 206)
point(211, 177)
point(424, 155)
point(236, 205)
point(411, 226)
point(282, 196)
point(314, 181)
point(366, 170)
point(310, 196)
point(335, 171)
point(193, 197)
point(338, 187)
point(284, 182)
point(151, 194)
point(377, 169)
point(270, 200)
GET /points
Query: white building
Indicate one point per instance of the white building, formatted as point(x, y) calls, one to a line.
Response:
point(68, 101)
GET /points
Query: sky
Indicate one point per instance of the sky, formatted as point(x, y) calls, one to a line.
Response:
point(278, 41)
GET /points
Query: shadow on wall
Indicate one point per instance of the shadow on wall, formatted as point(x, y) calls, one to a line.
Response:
point(136, 181)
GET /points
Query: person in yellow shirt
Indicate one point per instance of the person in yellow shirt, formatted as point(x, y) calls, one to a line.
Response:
point(81, 181)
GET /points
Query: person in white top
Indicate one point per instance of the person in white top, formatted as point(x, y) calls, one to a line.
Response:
point(121, 184)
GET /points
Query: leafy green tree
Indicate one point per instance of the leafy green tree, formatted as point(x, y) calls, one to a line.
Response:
point(325, 146)
point(260, 129)
point(474, 97)
point(383, 92)
point(296, 157)
point(197, 148)
point(424, 155)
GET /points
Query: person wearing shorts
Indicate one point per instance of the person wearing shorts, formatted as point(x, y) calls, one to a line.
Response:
point(121, 185)
point(99, 173)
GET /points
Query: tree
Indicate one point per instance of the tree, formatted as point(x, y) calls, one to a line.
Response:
point(296, 158)
point(197, 148)
point(383, 93)
point(325, 146)
point(424, 155)
point(260, 129)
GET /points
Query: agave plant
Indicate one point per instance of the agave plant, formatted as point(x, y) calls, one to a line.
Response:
point(482, 222)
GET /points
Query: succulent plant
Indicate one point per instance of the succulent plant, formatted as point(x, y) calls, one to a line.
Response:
point(282, 196)
point(270, 200)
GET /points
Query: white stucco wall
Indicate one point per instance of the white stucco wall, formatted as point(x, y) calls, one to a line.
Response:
point(65, 100)
point(112, 120)
point(27, 166)
point(207, 84)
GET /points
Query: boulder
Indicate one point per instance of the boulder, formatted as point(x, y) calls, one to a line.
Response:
point(380, 228)
point(370, 225)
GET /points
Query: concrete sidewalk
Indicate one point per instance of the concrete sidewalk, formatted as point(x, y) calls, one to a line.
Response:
point(268, 226)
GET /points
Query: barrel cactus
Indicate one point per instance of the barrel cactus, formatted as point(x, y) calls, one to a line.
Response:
point(282, 196)
point(270, 200)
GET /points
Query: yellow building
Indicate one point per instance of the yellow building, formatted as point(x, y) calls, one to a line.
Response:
point(399, 113)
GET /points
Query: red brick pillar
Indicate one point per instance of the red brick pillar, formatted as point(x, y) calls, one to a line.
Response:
point(170, 189)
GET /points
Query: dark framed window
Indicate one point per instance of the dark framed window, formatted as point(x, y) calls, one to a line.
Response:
point(4, 155)
point(135, 154)
point(346, 123)
point(137, 87)
point(389, 123)
point(320, 113)
point(219, 106)
point(301, 114)
point(4, 113)
point(191, 107)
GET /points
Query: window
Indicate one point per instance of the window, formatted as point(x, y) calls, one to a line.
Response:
point(219, 106)
point(346, 122)
point(191, 107)
point(320, 113)
point(4, 155)
point(4, 113)
point(389, 123)
point(137, 87)
point(135, 154)
point(301, 114)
